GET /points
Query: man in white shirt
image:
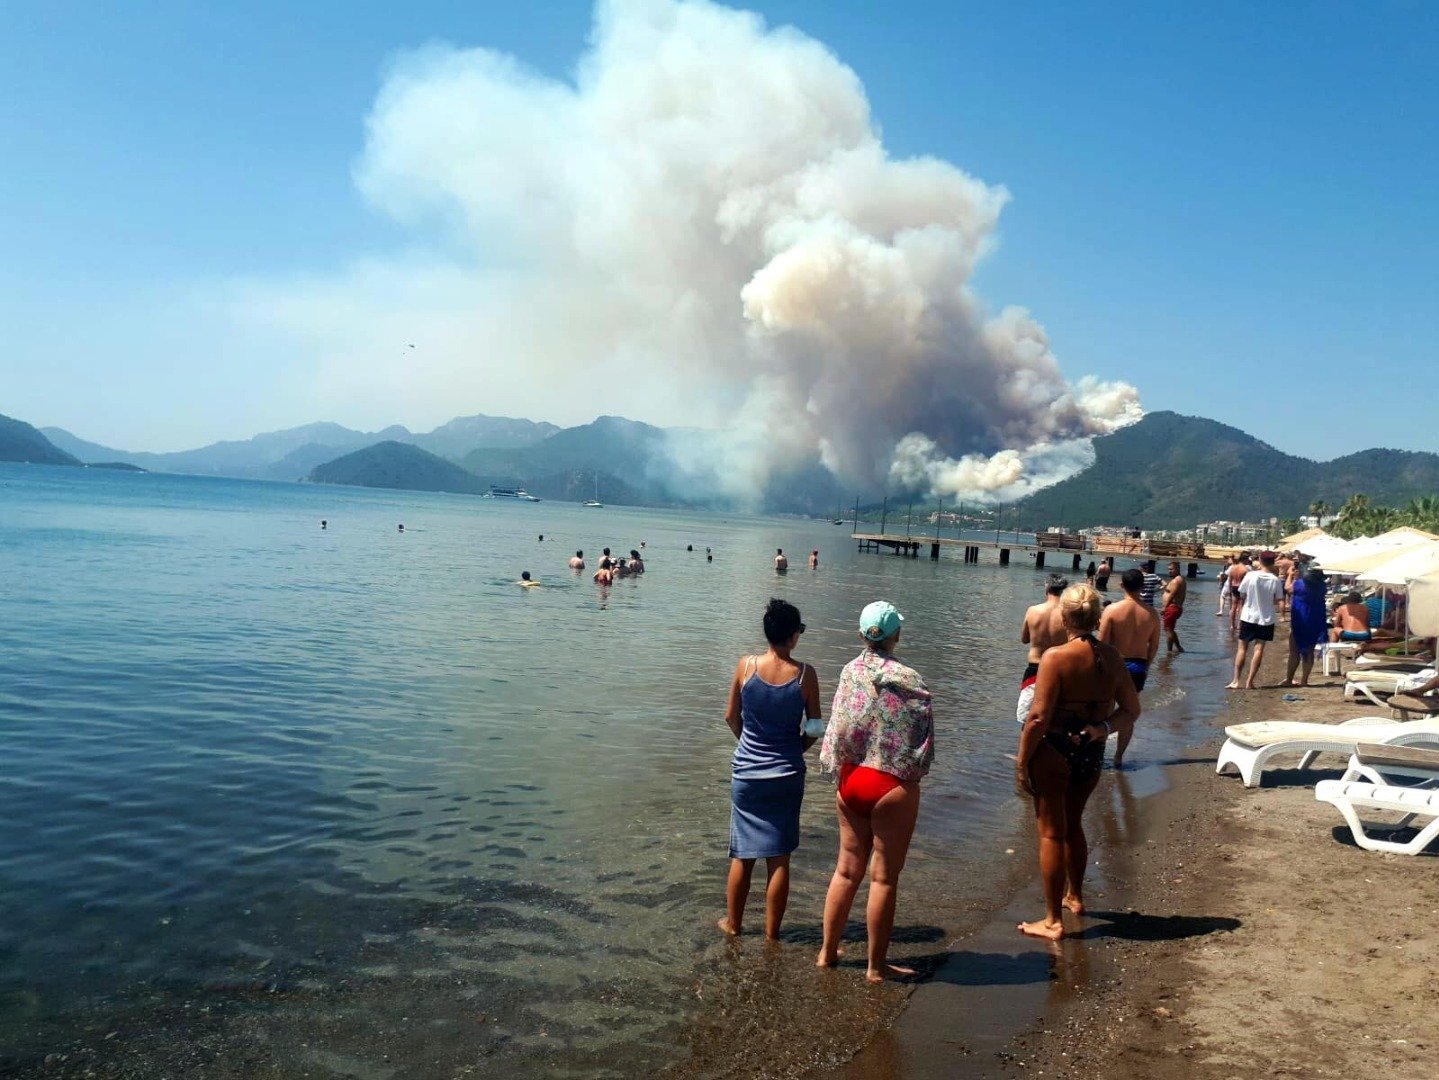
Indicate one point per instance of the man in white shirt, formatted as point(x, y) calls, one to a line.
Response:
point(1259, 595)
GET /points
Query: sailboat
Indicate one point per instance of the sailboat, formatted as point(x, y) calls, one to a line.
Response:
point(595, 502)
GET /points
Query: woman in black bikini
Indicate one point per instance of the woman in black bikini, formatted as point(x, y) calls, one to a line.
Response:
point(1084, 694)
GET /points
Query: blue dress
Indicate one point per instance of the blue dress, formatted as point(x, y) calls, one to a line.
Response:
point(1308, 618)
point(767, 787)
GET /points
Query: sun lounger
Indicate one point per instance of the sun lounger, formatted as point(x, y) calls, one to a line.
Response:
point(1248, 748)
point(1372, 683)
point(1403, 705)
point(1368, 786)
point(1377, 763)
point(1385, 662)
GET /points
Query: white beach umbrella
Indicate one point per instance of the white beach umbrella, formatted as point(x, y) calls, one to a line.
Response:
point(1424, 606)
point(1359, 557)
point(1414, 562)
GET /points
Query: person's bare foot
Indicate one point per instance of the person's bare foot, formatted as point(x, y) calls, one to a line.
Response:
point(890, 971)
point(1050, 931)
point(1286, 682)
point(724, 925)
point(1074, 903)
point(1249, 686)
point(828, 960)
point(1232, 686)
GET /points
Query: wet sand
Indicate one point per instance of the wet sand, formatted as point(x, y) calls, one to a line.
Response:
point(1234, 933)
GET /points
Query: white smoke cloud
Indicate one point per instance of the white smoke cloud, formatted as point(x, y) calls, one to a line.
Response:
point(703, 227)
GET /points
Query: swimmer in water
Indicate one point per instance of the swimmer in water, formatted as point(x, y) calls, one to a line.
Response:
point(578, 562)
point(525, 581)
point(324, 524)
point(781, 564)
point(604, 575)
point(402, 528)
point(814, 559)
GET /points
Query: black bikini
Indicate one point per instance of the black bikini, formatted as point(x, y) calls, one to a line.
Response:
point(1086, 757)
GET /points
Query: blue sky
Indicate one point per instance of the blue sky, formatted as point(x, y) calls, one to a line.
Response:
point(1230, 206)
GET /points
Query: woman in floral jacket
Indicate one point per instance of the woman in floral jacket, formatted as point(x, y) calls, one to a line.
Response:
point(880, 740)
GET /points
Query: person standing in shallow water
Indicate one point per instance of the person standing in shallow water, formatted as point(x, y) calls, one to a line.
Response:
point(769, 699)
point(1083, 694)
point(880, 738)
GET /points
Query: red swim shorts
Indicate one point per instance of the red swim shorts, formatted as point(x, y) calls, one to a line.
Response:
point(1171, 615)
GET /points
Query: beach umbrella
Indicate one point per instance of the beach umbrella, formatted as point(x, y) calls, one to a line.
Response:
point(1414, 562)
point(1424, 606)
point(1321, 547)
point(1359, 557)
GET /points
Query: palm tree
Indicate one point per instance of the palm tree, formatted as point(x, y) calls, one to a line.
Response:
point(1318, 508)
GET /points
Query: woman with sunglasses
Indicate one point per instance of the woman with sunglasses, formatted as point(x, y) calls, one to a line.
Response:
point(769, 699)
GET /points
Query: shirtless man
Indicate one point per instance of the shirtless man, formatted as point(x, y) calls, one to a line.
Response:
point(578, 562)
point(781, 564)
point(604, 576)
point(1351, 620)
point(814, 559)
point(1043, 629)
point(1131, 626)
point(1236, 575)
point(1175, 589)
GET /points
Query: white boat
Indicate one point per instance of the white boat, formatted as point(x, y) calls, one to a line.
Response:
point(509, 493)
point(595, 502)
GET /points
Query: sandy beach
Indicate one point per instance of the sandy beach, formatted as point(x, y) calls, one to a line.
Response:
point(1235, 933)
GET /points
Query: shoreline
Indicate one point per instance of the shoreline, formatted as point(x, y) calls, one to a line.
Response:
point(1239, 930)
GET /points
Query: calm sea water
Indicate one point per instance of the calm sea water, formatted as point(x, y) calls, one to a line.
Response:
point(349, 802)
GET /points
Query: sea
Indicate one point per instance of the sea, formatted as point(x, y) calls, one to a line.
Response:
point(286, 800)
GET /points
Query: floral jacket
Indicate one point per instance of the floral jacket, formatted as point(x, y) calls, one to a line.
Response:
point(882, 718)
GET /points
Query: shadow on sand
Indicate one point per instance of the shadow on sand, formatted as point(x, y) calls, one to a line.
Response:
point(1136, 926)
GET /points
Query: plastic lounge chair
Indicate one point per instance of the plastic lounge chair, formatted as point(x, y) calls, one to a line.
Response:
point(1371, 683)
point(1249, 747)
point(1402, 705)
point(1367, 786)
point(1377, 763)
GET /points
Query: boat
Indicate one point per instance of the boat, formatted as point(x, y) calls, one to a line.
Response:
point(509, 493)
point(595, 503)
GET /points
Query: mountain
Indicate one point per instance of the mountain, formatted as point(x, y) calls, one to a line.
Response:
point(468, 433)
point(21, 442)
point(393, 464)
point(1172, 472)
point(291, 454)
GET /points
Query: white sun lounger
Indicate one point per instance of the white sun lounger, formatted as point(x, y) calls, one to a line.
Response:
point(1370, 683)
point(1249, 747)
point(1367, 786)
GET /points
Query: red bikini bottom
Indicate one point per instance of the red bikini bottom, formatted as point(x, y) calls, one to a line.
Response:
point(861, 787)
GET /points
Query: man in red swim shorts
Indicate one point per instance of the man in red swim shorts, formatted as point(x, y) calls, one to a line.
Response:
point(1175, 590)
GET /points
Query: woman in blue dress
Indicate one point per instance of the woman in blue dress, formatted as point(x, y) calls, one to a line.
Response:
point(1308, 624)
point(770, 697)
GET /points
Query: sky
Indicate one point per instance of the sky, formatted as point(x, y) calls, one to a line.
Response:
point(1229, 206)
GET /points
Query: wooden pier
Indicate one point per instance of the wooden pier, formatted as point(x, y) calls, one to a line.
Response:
point(1045, 547)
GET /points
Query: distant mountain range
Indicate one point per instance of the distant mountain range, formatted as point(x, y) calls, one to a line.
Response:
point(1166, 471)
point(1172, 472)
point(291, 454)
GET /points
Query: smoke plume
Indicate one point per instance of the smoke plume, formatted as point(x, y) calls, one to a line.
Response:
point(706, 219)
